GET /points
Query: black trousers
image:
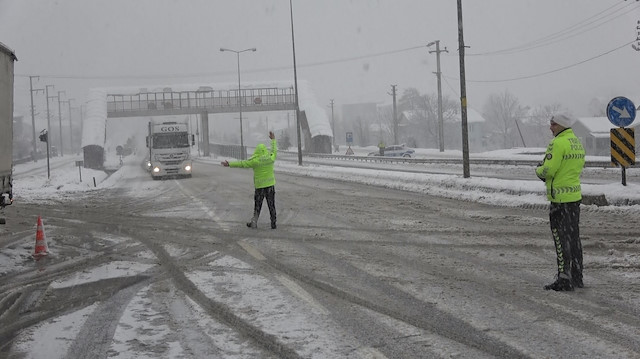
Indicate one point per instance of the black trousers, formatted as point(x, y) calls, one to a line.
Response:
point(564, 219)
point(259, 196)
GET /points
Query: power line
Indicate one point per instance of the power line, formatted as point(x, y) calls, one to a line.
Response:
point(555, 70)
point(569, 32)
point(544, 41)
point(210, 74)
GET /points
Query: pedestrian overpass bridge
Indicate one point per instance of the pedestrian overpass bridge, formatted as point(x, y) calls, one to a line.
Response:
point(202, 101)
point(205, 99)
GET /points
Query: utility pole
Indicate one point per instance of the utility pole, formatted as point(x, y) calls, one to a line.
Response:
point(395, 116)
point(48, 128)
point(60, 122)
point(81, 123)
point(68, 102)
point(463, 98)
point(333, 127)
point(438, 74)
point(33, 115)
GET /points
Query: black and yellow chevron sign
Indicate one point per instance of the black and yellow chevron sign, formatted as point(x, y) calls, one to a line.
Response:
point(623, 150)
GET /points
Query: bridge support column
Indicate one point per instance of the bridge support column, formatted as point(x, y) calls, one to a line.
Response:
point(204, 125)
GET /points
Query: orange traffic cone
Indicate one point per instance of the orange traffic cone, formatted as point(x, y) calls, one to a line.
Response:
point(41, 242)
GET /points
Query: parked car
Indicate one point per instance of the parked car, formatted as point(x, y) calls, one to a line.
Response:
point(395, 151)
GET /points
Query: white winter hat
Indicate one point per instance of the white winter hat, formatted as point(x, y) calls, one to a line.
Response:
point(565, 121)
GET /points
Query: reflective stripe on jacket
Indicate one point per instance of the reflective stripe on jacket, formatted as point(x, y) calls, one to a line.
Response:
point(562, 166)
point(262, 162)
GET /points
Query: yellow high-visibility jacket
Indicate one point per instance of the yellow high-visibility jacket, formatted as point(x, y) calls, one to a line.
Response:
point(262, 164)
point(562, 166)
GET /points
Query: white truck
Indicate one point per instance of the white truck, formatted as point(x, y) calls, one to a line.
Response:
point(7, 58)
point(169, 146)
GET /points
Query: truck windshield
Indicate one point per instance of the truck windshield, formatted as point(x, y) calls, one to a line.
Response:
point(171, 140)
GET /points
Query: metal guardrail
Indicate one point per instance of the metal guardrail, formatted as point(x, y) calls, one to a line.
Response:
point(232, 151)
point(473, 161)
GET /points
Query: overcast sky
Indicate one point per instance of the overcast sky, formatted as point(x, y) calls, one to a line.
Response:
point(352, 51)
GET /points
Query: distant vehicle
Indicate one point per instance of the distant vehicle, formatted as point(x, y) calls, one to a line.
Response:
point(7, 57)
point(395, 151)
point(54, 151)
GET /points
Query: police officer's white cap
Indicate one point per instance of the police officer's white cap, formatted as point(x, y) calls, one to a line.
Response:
point(565, 121)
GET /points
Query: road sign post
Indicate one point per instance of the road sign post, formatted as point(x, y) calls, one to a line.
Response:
point(349, 142)
point(621, 112)
point(79, 164)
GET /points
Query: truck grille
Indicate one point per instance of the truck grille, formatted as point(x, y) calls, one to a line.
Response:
point(171, 163)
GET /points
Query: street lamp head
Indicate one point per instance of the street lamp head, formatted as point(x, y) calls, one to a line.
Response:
point(253, 49)
point(431, 43)
point(222, 49)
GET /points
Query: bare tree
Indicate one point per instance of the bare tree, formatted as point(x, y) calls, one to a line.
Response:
point(538, 123)
point(502, 111)
point(361, 130)
point(385, 123)
point(423, 110)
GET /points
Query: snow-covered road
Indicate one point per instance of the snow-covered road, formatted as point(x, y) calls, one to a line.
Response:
point(361, 266)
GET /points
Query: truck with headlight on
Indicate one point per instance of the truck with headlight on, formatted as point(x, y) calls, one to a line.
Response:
point(169, 145)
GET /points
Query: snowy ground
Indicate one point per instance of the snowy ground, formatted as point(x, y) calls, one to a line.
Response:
point(32, 185)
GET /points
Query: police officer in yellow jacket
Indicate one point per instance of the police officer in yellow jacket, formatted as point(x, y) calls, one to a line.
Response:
point(264, 179)
point(561, 169)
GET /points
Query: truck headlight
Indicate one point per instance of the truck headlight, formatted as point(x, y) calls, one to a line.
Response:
point(156, 169)
point(148, 163)
point(187, 168)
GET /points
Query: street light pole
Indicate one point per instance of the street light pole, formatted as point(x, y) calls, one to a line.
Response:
point(295, 81)
point(438, 74)
point(60, 122)
point(333, 128)
point(46, 89)
point(68, 102)
point(253, 49)
point(33, 115)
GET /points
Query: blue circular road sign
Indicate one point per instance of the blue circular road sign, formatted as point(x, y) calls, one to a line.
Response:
point(621, 111)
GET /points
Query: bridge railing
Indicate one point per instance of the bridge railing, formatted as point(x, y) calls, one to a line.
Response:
point(201, 99)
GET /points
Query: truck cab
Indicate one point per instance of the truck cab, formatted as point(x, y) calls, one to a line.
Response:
point(169, 146)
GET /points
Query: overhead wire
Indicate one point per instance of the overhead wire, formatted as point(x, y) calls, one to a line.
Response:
point(576, 29)
point(554, 70)
point(209, 74)
point(605, 15)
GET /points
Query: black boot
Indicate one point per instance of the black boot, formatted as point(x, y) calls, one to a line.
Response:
point(561, 284)
point(577, 281)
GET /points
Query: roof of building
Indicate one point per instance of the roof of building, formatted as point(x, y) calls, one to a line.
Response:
point(6, 50)
point(473, 116)
point(600, 124)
